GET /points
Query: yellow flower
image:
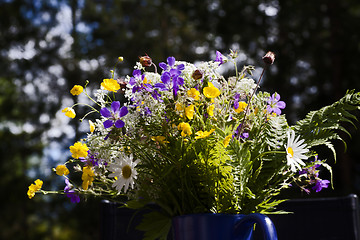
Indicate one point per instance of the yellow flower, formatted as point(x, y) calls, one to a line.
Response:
point(210, 91)
point(201, 134)
point(242, 106)
point(193, 93)
point(79, 150)
point(62, 170)
point(159, 139)
point(189, 111)
point(34, 188)
point(69, 112)
point(110, 85)
point(145, 81)
point(185, 128)
point(210, 110)
point(76, 90)
point(87, 177)
point(92, 126)
point(227, 140)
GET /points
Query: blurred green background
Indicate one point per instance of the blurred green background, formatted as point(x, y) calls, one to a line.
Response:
point(47, 46)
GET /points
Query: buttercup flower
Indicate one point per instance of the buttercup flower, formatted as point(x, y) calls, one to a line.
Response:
point(69, 112)
point(124, 170)
point(33, 188)
point(185, 128)
point(241, 106)
point(91, 126)
point(79, 150)
point(227, 140)
point(159, 139)
point(295, 150)
point(201, 134)
point(189, 112)
point(62, 170)
point(110, 85)
point(76, 90)
point(210, 91)
point(193, 93)
point(87, 177)
point(210, 110)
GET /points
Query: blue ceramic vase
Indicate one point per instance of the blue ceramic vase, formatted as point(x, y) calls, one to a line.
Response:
point(222, 227)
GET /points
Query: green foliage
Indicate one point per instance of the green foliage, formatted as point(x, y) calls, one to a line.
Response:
point(323, 126)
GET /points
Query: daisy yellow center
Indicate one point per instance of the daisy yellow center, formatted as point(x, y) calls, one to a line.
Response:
point(126, 171)
point(291, 151)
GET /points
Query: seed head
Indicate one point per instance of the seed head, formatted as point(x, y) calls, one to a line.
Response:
point(269, 58)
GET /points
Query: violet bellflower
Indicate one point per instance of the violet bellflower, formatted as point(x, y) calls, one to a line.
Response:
point(219, 58)
point(236, 100)
point(70, 193)
point(237, 133)
point(170, 77)
point(274, 104)
point(320, 184)
point(91, 159)
point(114, 115)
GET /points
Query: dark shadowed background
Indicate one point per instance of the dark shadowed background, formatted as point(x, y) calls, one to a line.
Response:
point(47, 46)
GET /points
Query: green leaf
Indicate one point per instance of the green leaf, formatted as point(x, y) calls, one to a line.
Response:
point(155, 225)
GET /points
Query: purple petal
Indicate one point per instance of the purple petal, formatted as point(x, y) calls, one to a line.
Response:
point(123, 111)
point(105, 112)
point(281, 104)
point(115, 106)
point(236, 104)
point(180, 81)
point(171, 61)
point(165, 78)
point(163, 66)
point(219, 57)
point(137, 73)
point(119, 124)
point(277, 111)
point(174, 72)
point(180, 67)
point(161, 86)
point(132, 81)
point(108, 123)
point(276, 96)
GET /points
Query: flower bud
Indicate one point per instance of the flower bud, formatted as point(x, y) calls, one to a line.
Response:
point(145, 61)
point(197, 74)
point(122, 84)
point(269, 58)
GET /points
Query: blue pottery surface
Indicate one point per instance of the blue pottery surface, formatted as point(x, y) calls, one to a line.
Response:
point(221, 227)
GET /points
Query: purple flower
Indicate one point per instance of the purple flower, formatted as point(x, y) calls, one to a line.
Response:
point(274, 104)
point(219, 58)
point(114, 115)
point(137, 77)
point(237, 132)
point(236, 100)
point(91, 159)
point(170, 77)
point(70, 193)
point(320, 184)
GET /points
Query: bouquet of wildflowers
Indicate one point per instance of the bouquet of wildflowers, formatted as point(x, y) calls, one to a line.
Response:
point(192, 141)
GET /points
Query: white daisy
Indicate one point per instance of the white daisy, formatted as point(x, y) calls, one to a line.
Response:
point(124, 171)
point(295, 150)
